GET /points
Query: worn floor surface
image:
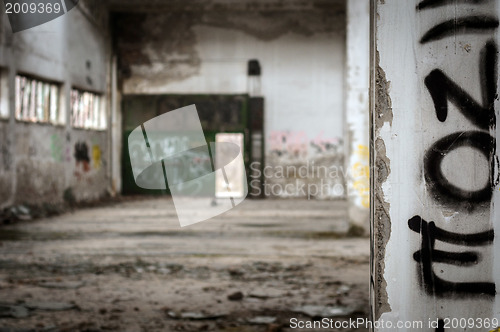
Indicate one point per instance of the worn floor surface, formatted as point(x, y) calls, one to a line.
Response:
point(130, 267)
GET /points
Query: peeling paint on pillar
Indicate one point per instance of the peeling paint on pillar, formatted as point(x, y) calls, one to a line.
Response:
point(380, 207)
point(434, 158)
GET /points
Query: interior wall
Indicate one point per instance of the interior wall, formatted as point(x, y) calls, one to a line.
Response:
point(301, 54)
point(41, 162)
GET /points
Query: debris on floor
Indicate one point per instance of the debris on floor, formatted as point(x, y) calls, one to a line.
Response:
point(129, 267)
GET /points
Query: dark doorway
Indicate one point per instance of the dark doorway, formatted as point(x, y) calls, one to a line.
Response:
point(218, 114)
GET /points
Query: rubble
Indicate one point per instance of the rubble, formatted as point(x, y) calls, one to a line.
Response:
point(237, 296)
point(324, 311)
point(262, 320)
point(50, 306)
point(266, 293)
point(62, 284)
point(66, 272)
point(194, 315)
point(13, 311)
point(343, 290)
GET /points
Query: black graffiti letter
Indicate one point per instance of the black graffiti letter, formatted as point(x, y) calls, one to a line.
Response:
point(442, 88)
point(427, 255)
point(460, 25)
point(439, 184)
point(437, 3)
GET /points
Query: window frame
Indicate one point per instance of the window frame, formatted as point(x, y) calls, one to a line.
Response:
point(99, 116)
point(47, 98)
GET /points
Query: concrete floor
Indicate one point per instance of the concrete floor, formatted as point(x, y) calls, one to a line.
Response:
point(130, 267)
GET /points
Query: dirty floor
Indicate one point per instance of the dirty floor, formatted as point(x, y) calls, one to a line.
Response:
point(130, 267)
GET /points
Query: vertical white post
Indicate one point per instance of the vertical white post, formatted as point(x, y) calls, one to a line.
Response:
point(435, 164)
point(357, 112)
point(115, 128)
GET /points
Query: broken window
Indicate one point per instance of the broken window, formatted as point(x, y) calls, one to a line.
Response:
point(37, 101)
point(87, 110)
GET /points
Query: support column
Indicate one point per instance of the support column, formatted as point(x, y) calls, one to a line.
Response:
point(115, 129)
point(434, 121)
point(357, 114)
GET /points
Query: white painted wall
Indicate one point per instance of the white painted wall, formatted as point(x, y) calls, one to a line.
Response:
point(302, 77)
point(411, 134)
point(58, 50)
point(357, 111)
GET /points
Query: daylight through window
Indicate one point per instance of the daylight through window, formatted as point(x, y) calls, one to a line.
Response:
point(37, 101)
point(87, 110)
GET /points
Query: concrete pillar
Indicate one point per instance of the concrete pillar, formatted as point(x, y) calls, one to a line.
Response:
point(357, 113)
point(115, 128)
point(435, 164)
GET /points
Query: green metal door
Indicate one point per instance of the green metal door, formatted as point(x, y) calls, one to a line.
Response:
point(218, 114)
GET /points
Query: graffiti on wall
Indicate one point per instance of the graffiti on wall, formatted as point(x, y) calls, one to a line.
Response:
point(296, 161)
point(298, 144)
point(164, 147)
point(82, 157)
point(285, 142)
point(96, 156)
point(479, 115)
point(428, 255)
point(360, 173)
point(192, 164)
point(56, 148)
point(88, 160)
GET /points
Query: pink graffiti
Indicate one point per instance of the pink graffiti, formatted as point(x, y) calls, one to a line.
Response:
point(297, 143)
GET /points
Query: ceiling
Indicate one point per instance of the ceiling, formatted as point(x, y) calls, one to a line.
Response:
point(224, 5)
